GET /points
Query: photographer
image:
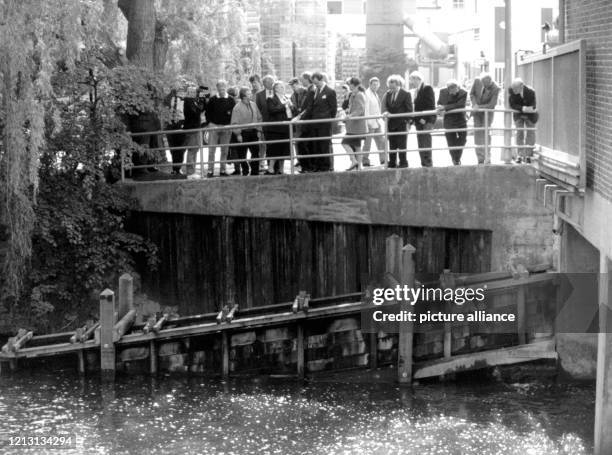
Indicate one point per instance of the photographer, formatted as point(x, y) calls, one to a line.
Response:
point(175, 103)
point(194, 105)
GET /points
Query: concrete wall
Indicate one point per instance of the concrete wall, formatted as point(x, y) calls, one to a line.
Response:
point(501, 199)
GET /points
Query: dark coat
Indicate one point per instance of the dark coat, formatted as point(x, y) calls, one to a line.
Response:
point(277, 113)
point(451, 102)
point(323, 106)
point(528, 99)
point(402, 105)
point(425, 100)
point(260, 101)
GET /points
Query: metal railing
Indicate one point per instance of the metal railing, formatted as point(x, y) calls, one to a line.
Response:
point(294, 139)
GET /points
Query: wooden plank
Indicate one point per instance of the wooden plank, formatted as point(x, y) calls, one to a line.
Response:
point(50, 350)
point(224, 354)
point(300, 350)
point(152, 357)
point(81, 362)
point(406, 329)
point(484, 359)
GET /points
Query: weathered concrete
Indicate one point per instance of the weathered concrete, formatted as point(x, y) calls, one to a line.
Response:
point(501, 199)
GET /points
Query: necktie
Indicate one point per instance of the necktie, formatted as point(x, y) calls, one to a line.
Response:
point(394, 98)
point(317, 92)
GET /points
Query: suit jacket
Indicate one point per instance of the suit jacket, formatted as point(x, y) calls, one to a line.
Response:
point(451, 102)
point(260, 101)
point(528, 99)
point(402, 104)
point(323, 106)
point(297, 99)
point(425, 100)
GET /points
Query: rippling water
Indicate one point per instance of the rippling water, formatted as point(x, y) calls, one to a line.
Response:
point(178, 415)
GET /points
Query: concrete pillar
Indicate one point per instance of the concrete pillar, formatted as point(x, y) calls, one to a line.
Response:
point(406, 329)
point(603, 393)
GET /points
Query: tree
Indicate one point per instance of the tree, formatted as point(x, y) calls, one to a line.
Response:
point(35, 37)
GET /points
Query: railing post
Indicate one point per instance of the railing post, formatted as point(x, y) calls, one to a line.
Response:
point(107, 326)
point(487, 159)
point(406, 329)
point(300, 350)
point(520, 314)
point(122, 158)
point(291, 151)
point(152, 357)
point(386, 121)
point(201, 151)
point(225, 348)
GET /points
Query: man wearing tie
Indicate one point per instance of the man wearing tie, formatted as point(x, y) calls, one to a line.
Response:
point(374, 124)
point(424, 100)
point(322, 104)
point(261, 100)
point(397, 101)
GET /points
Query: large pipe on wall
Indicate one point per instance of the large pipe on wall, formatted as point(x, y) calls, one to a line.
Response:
point(438, 47)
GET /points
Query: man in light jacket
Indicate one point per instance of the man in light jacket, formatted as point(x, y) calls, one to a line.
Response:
point(375, 126)
point(484, 95)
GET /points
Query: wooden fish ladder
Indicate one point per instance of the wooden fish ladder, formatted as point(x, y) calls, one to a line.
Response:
point(116, 327)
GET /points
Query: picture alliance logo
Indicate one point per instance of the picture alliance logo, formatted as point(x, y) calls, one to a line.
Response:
point(412, 295)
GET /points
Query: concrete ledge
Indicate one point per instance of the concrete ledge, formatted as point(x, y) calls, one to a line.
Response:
point(501, 199)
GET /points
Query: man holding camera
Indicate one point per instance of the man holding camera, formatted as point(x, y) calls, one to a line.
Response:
point(523, 100)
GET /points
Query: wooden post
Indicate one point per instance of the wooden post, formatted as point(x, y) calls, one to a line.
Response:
point(122, 327)
point(126, 295)
point(406, 329)
point(603, 397)
point(393, 255)
point(520, 314)
point(300, 350)
point(81, 360)
point(224, 354)
point(447, 281)
point(152, 357)
point(107, 330)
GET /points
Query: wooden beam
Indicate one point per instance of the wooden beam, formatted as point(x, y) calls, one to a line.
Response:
point(122, 327)
point(225, 348)
point(484, 359)
point(126, 295)
point(81, 362)
point(406, 329)
point(107, 330)
point(300, 350)
point(152, 357)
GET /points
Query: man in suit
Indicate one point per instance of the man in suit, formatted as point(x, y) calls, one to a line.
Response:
point(320, 103)
point(484, 95)
point(261, 98)
point(523, 100)
point(424, 100)
point(397, 101)
point(451, 98)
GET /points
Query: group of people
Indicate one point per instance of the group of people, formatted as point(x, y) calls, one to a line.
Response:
point(247, 115)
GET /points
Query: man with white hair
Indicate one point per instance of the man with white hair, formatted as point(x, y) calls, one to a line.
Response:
point(484, 95)
point(424, 100)
point(375, 125)
point(261, 99)
point(452, 98)
point(523, 100)
point(397, 101)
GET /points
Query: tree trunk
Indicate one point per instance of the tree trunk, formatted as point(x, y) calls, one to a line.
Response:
point(141, 18)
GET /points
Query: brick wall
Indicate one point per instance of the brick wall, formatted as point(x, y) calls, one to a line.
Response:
point(591, 20)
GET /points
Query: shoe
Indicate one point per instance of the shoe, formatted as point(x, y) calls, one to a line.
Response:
point(528, 160)
point(268, 173)
point(235, 173)
point(403, 165)
point(519, 160)
point(193, 177)
point(223, 174)
point(366, 162)
point(456, 163)
point(210, 175)
point(353, 167)
point(391, 166)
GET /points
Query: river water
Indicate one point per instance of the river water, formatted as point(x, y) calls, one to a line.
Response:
point(194, 415)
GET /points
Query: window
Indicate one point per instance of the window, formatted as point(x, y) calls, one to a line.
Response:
point(458, 4)
point(334, 7)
